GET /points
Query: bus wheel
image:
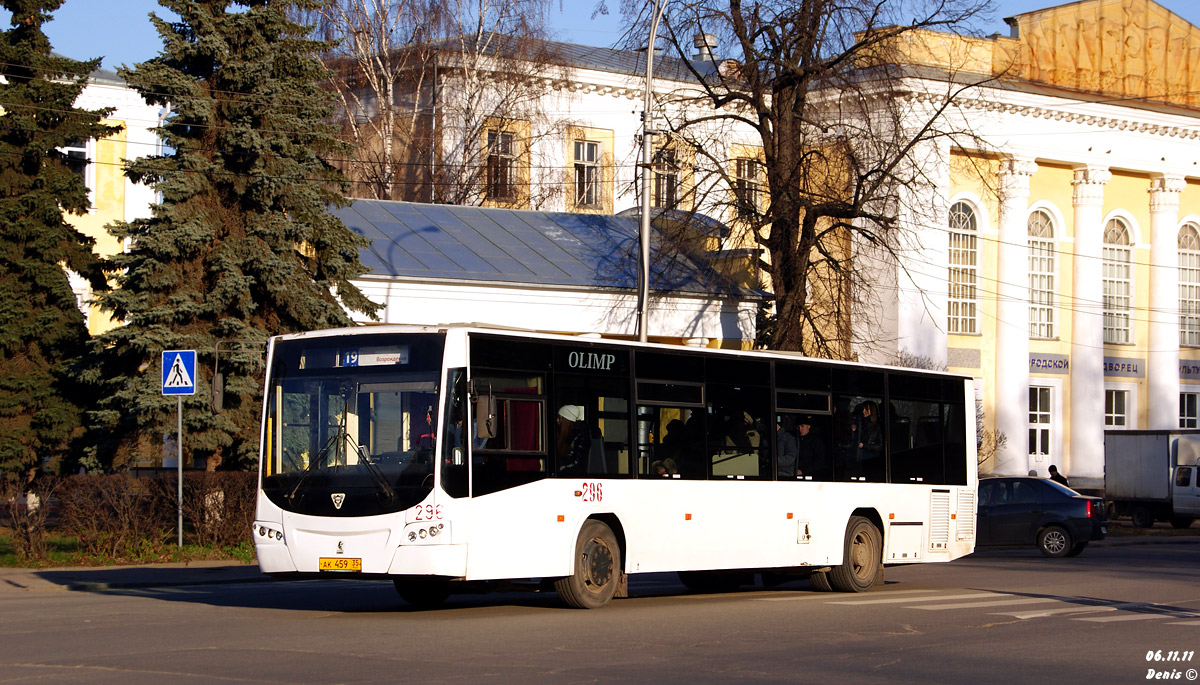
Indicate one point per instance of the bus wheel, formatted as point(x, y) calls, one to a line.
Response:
point(422, 593)
point(860, 558)
point(820, 581)
point(597, 566)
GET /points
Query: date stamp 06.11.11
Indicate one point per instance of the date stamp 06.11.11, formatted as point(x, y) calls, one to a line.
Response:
point(1170, 665)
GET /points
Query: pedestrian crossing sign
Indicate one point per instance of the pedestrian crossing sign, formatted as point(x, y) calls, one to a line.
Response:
point(179, 372)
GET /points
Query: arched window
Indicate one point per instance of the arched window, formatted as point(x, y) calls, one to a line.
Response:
point(1189, 286)
point(964, 264)
point(1118, 282)
point(1043, 270)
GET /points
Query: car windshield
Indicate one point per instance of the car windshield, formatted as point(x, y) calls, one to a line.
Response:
point(351, 424)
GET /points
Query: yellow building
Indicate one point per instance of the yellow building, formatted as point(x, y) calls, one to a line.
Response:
point(113, 196)
point(1066, 277)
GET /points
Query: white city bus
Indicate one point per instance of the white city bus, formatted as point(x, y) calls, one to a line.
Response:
point(440, 457)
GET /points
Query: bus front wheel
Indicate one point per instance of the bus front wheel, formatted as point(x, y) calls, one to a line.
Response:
point(861, 557)
point(596, 569)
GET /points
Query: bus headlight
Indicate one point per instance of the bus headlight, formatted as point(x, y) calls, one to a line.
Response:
point(267, 533)
point(426, 532)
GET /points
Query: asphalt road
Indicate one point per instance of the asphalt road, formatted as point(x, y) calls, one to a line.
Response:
point(999, 616)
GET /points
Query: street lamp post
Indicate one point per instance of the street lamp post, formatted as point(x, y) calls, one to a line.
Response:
point(647, 158)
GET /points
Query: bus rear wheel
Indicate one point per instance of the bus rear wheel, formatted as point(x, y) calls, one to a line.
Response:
point(422, 593)
point(860, 558)
point(597, 568)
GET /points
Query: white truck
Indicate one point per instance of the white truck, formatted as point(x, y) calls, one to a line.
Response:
point(1150, 475)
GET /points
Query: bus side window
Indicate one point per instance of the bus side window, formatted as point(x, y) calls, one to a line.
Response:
point(516, 454)
point(598, 442)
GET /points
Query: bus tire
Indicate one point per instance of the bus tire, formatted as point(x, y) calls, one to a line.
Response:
point(422, 592)
point(596, 569)
point(861, 557)
point(820, 581)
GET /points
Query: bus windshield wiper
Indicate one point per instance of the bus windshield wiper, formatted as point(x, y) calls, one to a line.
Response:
point(376, 474)
point(320, 458)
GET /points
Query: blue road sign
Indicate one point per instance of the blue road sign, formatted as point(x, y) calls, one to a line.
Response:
point(179, 372)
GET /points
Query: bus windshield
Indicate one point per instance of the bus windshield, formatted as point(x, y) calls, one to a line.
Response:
point(351, 429)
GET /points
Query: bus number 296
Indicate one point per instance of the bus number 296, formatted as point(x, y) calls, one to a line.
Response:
point(429, 512)
point(592, 492)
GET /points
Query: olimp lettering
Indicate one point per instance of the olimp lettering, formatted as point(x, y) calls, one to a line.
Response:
point(591, 360)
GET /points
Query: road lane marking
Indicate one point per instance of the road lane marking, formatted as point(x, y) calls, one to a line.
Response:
point(1124, 617)
point(820, 595)
point(1076, 608)
point(997, 603)
point(935, 598)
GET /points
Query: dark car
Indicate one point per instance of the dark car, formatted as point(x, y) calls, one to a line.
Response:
point(1035, 511)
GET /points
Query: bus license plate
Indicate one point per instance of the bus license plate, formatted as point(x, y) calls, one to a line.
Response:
point(339, 564)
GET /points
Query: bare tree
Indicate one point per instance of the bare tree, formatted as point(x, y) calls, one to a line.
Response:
point(844, 143)
point(440, 98)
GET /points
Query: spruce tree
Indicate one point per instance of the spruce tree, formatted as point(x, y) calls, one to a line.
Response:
point(42, 330)
point(241, 245)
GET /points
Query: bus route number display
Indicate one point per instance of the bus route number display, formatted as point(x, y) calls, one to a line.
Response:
point(592, 492)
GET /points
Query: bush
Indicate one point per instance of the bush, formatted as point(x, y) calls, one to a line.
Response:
point(113, 515)
point(27, 509)
point(218, 506)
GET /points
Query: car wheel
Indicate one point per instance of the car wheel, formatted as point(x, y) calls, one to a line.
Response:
point(1054, 541)
point(1141, 517)
point(1076, 549)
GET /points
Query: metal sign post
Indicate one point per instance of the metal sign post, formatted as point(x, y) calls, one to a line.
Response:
point(179, 379)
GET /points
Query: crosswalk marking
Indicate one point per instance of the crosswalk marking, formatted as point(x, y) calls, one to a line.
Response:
point(898, 600)
point(996, 603)
point(794, 597)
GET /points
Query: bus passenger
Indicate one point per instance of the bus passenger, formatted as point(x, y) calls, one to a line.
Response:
point(785, 447)
point(811, 455)
point(573, 442)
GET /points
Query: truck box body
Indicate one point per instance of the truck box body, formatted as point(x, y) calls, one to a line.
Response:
point(1141, 476)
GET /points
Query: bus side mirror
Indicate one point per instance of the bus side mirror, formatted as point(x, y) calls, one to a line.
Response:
point(485, 416)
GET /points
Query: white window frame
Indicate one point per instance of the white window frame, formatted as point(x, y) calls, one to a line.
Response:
point(1043, 275)
point(962, 302)
point(1191, 392)
point(1131, 405)
point(748, 174)
point(501, 160)
point(88, 151)
point(666, 179)
point(1189, 285)
point(1118, 282)
point(1042, 461)
point(587, 173)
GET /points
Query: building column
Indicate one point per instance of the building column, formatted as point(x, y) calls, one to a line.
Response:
point(1163, 363)
point(1085, 455)
point(1012, 314)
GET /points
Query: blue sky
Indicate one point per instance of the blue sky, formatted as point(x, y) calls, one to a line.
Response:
point(119, 30)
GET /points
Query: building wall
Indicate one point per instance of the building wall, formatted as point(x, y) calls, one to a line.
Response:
point(113, 196)
point(1083, 160)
